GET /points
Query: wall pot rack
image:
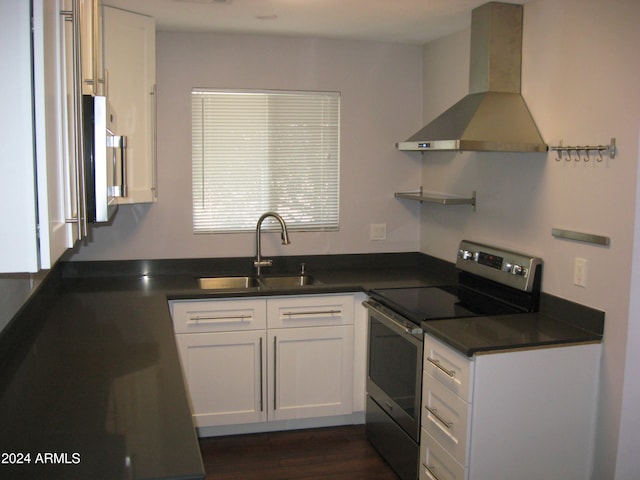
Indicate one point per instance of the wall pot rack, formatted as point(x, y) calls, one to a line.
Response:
point(438, 198)
point(566, 151)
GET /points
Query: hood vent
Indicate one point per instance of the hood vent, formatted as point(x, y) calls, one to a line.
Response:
point(493, 117)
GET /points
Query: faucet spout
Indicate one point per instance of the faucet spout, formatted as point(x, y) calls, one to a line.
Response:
point(260, 262)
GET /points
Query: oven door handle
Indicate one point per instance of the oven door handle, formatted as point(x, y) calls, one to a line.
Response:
point(409, 331)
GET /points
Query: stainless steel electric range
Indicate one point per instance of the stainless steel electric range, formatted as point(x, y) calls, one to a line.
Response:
point(491, 281)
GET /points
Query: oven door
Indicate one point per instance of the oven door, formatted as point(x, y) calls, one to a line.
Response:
point(394, 379)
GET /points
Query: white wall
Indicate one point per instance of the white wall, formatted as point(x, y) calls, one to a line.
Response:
point(580, 78)
point(381, 92)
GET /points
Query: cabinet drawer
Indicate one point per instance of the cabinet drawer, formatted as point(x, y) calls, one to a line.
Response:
point(192, 316)
point(436, 463)
point(309, 311)
point(446, 417)
point(452, 369)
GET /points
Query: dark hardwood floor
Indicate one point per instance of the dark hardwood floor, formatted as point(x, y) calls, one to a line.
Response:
point(336, 453)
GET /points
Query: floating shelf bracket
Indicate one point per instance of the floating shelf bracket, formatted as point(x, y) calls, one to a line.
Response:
point(566, 151)
point(438, 198)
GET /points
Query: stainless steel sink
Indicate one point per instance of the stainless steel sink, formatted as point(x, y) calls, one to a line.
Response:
point(284, 281)
point(221, 283)
point(275, 281)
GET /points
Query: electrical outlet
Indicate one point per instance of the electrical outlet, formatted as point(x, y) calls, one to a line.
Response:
point(378, 231)
point(580, 272)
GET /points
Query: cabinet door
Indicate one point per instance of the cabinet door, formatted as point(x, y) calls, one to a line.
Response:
point(35, 182)
point(18, 242)
point(225, 375)
point(311, 372)
point(91, 47)
point(131, 71)
point(55, 151)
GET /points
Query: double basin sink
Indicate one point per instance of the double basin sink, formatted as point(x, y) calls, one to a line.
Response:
point(240, 282)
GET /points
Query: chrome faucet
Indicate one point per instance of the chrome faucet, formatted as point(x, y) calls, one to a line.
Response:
point(260, 262)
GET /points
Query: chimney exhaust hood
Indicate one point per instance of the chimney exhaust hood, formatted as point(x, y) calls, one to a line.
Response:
point(493, 117)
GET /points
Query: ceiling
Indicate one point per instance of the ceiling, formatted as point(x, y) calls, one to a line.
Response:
point(402, 21)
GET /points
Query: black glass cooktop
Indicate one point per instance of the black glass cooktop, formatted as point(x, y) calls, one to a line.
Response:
point(435, 303)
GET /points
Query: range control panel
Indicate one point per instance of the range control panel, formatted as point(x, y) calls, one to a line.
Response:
point(510, 268)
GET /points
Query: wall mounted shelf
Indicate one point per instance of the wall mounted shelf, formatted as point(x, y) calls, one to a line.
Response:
point(438, 198)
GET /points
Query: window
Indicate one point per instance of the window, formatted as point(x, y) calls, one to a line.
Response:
point(254, 152)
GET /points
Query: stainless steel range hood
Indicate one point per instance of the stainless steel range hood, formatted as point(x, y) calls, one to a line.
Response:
point(493, 117)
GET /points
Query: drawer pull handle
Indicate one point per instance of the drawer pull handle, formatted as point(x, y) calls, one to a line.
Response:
point(275, 373)
point(435, 413)
point(430, 471)
point(318, 312)
point(436, 363)
point(261, 380)
point(198, 319)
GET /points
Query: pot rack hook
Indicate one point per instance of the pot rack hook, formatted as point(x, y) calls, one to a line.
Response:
point(562, 149)
point(559, 151)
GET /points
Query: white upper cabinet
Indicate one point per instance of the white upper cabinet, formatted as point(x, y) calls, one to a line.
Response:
point(92, 49)
point(18, 242)
point(37, 185)
point(129, 48)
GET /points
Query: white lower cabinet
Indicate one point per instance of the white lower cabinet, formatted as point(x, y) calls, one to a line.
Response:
point(225, 372)
point(312, 372)
point(254, 360)
point(525, 414)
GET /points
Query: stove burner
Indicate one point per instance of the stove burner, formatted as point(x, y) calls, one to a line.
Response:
point(436, 303)
point(491, 281)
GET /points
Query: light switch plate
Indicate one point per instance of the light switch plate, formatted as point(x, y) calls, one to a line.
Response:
point(378, 231)
point(580, 272)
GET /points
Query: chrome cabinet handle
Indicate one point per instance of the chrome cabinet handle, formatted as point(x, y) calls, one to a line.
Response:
point(430, 470)
point(199, 319)
point(317, 312)
point(436, 363)
point(73, 17)
point(275, 371)
point(261, 380)
point(123, 166)
point(154, 137)
point(435, 413)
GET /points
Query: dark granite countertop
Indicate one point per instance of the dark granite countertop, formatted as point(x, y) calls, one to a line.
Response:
point(475, 335)
point(558, 322)
point(96, 381)
point(90, 373)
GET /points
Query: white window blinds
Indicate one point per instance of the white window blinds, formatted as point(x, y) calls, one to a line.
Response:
point(254, 152)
